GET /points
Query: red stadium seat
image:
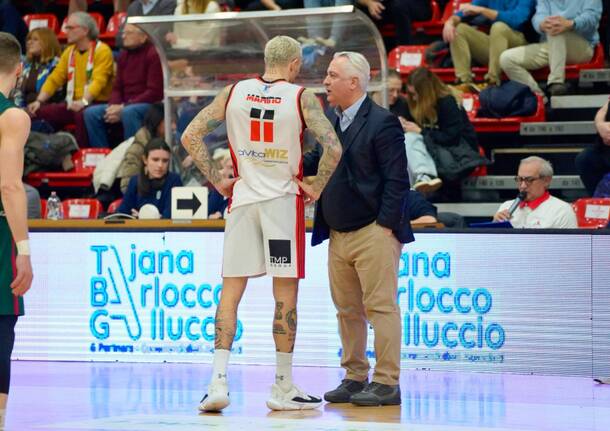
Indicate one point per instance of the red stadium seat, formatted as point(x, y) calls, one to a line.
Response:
point(471, 104)
point(114, 206)
point(41, 20)
point(592, 213)
point(98, 18)
point(84, 160)
point(480, 171)
point(573, 70)
point(434, 26)
point(112, 29)
point(407, 57)
point(81, 208)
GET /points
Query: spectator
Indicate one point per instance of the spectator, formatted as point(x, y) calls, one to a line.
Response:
point(438, 127)
point(217, 203)
point(154, 183)
point(568, 32)
point(603, 187)
point(138, 83)
point(315, 31)
point(507, 19)
point(594, 161)
point(153, 127)
point(539, 210)
point(86, 67)
point(420, 210)
point(42, 55)
point(149, 8)
point(12, 22)
point(33, 201)
point(422, 170)
point(400, 13)
point(191, 34)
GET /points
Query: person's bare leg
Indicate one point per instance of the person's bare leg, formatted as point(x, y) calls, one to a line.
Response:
point(284, 394)
point(285, 292)
point(233, 289)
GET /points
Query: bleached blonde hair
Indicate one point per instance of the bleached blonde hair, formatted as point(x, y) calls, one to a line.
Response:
point(281, 50)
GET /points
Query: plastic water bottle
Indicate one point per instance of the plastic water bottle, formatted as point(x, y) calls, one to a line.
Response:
point(54, 208)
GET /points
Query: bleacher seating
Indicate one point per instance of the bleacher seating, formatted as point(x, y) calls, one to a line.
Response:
point(407, 57)
point(41, 20)
point(84, 161)
point(81, 208)
point(495, 125)
point(592, 213)
point(432, 27)
point(112, 29)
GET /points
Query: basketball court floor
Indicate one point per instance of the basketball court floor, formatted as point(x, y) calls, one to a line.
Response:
point(148, 397)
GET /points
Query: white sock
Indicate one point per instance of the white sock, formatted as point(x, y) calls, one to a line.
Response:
point(219, 365)
point(283, 371)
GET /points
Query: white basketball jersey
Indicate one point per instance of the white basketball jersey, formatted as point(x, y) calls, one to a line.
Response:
point(265, 127)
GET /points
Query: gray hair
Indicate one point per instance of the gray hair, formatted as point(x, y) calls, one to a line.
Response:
point(546, 169)
point(89, 23)
point(359, 65)
point(281, 50)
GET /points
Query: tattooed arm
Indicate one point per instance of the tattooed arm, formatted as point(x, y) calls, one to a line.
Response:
point(208, 119)
point(323, 131)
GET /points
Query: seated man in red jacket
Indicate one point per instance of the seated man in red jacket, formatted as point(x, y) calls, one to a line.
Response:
point(138, 83)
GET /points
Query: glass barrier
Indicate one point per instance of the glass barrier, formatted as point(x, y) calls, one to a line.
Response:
point(203, 53)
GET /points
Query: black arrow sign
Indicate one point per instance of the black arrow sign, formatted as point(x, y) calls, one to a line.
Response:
point(189, 204)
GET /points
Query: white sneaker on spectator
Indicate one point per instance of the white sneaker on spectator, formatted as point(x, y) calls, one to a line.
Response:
point(217, 397)
point(426, 184)
point(293, 399)
point(602, 380)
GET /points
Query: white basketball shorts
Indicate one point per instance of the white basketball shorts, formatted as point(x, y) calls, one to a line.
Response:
point(266, 238)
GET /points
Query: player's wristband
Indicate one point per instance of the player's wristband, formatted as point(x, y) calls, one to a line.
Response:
point(23, 247)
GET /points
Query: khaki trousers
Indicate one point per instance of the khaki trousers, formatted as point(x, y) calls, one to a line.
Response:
point(363, 270)
point(556, 52)
point(470, 43)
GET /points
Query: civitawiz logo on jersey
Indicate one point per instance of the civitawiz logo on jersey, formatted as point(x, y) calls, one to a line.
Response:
point(279, 252)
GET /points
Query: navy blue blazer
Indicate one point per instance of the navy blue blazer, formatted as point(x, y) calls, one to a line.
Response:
point(374, 167)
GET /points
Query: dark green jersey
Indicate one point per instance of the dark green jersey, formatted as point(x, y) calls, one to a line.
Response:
point(4, 105)
point(9, 303)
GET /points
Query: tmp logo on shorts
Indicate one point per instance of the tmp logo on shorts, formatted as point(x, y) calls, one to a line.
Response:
point(279, 252)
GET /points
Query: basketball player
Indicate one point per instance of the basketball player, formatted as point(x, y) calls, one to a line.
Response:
point(265, 228)
point(15, 266)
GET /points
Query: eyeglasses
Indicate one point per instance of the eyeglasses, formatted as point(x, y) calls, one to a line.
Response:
point(71, 27)
point(526, 180)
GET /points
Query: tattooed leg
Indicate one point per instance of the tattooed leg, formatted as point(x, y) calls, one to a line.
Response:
point(226, 313)
point(285, 319)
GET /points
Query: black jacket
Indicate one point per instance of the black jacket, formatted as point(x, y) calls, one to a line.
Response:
point(371, 181)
